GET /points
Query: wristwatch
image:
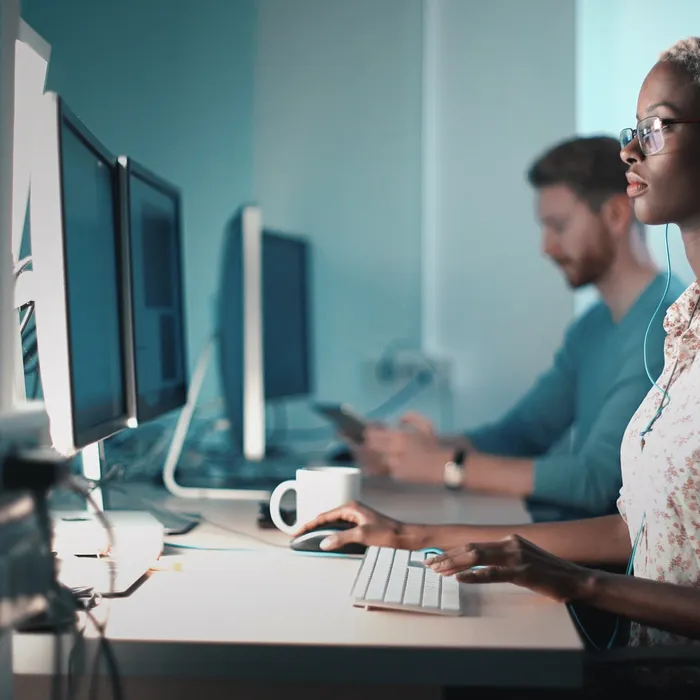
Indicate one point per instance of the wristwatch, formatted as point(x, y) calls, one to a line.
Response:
point(454, 470)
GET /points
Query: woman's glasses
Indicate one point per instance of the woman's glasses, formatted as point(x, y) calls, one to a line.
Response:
point(650, 132)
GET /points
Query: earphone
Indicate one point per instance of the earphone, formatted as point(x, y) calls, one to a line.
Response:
point(664, 402)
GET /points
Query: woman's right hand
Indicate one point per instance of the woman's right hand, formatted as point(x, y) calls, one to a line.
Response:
point(371, 527)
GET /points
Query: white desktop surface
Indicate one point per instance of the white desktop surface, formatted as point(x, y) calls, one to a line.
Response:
point(266, 614)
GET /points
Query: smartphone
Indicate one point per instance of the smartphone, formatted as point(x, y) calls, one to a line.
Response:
point(349, 423)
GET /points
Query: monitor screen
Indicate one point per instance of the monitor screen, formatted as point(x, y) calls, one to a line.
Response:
point(285, 316)
point(93, 291)
point(157, 292)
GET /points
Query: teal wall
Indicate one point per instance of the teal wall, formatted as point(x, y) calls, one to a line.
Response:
point(338, 89)
point(171, 84)
point(502, 91)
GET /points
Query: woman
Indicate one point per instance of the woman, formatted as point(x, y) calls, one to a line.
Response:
point(659, 502)
point(660, 454)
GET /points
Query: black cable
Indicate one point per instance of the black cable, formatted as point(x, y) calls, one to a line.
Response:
point(86, 599)
point(56, 689)
point(78, 649)
point(104, 647)
point(55, 595)
point(26, 318)
point(104, 650)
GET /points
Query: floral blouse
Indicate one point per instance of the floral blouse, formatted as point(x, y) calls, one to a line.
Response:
point(660, 459)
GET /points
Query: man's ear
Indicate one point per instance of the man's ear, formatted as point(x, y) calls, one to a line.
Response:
point(618, 214)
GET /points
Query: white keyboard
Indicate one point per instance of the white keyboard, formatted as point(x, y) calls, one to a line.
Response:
point(398, 579)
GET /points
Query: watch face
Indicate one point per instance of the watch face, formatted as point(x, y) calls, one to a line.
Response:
point(453, 474)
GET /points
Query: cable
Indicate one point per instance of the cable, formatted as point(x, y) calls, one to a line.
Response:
point(105, 650)
point(75, 485)
point(665, 398)
point(628, 572)
point(22, 265)
point(73, 679)
point(26, 318)
point(55, 595)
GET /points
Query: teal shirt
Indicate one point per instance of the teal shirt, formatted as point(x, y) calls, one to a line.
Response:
point(595, 385)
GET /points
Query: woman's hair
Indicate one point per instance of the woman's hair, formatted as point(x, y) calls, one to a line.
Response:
point(685, 54)
point(590, 166)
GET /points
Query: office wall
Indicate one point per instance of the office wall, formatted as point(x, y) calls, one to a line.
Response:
point(170, 83)
point(326, 112)
point(500, 89)
point(338, 159)
point(617, 44)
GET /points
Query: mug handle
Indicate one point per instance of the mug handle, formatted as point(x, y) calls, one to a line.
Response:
point(275, 500)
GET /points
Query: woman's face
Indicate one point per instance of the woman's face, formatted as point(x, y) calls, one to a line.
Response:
point(665, 186)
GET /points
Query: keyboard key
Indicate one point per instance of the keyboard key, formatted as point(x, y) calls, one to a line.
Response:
point(414, 586)
point(380, 575)
point(431, 590)
point(365, 573)
point(397, 580)
point(449, 599)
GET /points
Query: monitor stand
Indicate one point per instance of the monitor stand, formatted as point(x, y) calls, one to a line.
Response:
point(244, 493)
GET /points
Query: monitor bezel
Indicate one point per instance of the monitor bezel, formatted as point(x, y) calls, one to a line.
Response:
point(49, 259)
point(128, 168)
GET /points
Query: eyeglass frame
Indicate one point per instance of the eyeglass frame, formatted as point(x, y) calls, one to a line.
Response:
point(662, 122)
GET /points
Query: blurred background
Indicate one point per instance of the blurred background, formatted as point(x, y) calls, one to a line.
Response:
point(394, 136)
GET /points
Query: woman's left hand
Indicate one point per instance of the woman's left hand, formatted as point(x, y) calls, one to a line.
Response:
point(515, 560)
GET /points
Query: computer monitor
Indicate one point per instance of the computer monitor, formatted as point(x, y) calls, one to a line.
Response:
point(286, 327)
point(152, 238)
point(240, 333)
point(79, 293)
point(264, 326)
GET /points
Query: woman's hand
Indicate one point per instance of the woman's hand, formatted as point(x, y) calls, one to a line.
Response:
point(371, 527)
point(515, 560)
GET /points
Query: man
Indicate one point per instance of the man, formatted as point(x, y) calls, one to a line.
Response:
point(598, 378)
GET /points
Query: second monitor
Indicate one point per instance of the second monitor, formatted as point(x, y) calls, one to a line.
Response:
point(152, 230)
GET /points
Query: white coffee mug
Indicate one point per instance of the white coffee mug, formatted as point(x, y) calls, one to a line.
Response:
point(318, 489)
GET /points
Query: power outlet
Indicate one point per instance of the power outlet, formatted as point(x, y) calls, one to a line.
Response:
point(398, 371)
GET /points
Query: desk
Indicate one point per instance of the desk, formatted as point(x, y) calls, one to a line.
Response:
point(267, 616)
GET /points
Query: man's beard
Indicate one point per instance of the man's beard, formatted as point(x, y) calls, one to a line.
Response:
point(587, 271)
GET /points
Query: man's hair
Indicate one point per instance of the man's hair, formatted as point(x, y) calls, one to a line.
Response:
point(685, 54)
point(591, 167)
